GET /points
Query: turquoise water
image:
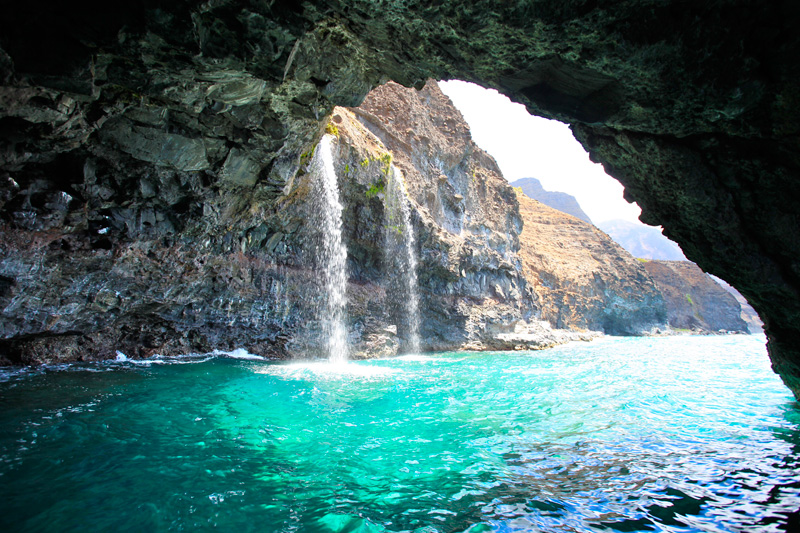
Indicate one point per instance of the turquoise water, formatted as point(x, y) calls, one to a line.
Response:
point(661, 434)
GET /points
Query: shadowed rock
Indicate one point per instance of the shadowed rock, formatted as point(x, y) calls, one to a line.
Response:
point(694, 300)
point(692, 106)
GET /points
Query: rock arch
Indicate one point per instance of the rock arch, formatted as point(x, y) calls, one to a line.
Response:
point(694, 107)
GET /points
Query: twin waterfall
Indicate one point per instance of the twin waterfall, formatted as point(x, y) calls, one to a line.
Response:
point(333, 253)
point(398, 207)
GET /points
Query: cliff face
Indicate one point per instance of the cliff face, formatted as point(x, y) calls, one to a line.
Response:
point(246, 272)
point(165, 119)
point(694, 300)
point(749, 315)
point(466, 215)
point(582, 278)
point(557, 200)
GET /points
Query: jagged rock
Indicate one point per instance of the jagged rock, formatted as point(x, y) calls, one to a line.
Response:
point(749, 315)
point(692, 106)
point(694, 300)
point(467, 228)
point(557, 200)
point(581, 278)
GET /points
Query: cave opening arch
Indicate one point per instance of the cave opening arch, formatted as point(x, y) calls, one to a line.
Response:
point(692, 107)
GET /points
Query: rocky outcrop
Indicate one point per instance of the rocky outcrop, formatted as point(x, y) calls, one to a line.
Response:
point(174, 288)
point(749, 315)
point(466, 219)
point(582, 279)
point(557, 200)
point(694, 300)
point(642, 241)
point(164, 120)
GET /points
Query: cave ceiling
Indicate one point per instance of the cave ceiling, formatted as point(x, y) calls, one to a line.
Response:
point(693, 106)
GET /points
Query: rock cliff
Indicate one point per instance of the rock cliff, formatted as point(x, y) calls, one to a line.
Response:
point(557, 200)
point(246, 272)
point(749, 315)
point(694, 300)
point(465, 213)
point(583, 279)
point(167, 119)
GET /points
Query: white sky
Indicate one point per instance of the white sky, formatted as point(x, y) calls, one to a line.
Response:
point(533, 147)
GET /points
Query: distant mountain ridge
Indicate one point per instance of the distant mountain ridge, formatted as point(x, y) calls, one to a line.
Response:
point(642, 241)
point(566, 203)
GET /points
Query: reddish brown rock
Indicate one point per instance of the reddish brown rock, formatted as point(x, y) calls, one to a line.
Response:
point(583, 279)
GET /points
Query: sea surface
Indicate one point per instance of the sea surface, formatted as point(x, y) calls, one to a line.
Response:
point(619, 434)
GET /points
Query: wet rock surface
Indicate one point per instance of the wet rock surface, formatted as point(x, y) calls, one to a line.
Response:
point(465, 214)
point(692, 106)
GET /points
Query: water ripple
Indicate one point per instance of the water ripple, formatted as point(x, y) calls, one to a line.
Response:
point(672, 434)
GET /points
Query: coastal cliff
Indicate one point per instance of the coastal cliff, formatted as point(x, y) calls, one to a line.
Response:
point(694, 300)
point(234, 265)
point(582, 278)
point(495, 269)
point(644, 242)
point(691, 106)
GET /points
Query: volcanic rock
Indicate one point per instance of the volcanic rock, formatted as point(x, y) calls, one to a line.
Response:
point(694, 300)
point(581, 278)
point(644, 242)
point(693, 106)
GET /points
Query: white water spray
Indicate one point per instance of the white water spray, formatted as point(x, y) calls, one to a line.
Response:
point(333, 253)
point(398, 207)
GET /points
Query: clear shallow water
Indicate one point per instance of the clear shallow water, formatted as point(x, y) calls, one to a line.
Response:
point(664, 434)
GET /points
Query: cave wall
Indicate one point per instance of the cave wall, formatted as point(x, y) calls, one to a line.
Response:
point(185, 121)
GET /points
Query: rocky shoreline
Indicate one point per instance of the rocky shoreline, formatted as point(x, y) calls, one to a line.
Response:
point(497, 270)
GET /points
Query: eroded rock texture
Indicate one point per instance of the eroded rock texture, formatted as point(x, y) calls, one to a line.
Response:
point(184, 120)
point(583, 279)
point(694, 300)
point(469, 224)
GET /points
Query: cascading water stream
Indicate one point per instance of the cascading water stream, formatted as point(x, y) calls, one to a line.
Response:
point(333, 253)
point(401, 231)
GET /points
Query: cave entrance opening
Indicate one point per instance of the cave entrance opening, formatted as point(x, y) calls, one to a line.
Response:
point(544, 158)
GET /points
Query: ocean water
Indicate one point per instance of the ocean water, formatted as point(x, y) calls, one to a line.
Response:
point(620, 434)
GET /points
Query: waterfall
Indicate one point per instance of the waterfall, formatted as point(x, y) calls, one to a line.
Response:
point(400, 232)
point(333, 253)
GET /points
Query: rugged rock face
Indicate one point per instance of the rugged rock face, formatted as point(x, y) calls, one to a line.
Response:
point(144, 118)
point(694, 300)
point(749, 315)
point(467, 220)
point(582, 278)
point(642, 241)
point(557, 200)
point(467, 224)
point(267, 292)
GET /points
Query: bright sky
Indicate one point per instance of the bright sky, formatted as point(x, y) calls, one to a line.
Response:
point(533, 147)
